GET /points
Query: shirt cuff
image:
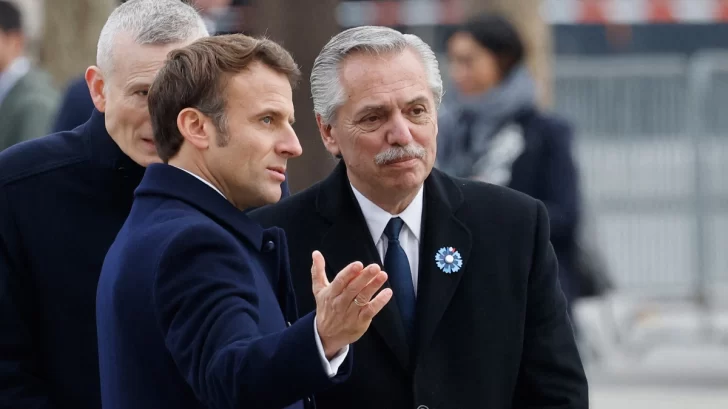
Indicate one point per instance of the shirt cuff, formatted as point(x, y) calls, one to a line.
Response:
point(330, 367)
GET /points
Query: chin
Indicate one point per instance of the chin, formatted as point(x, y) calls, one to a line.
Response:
point(271, 197)
point(409, 180)
point(146, 159)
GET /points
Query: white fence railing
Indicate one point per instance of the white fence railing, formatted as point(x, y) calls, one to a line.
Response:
point(653, 151)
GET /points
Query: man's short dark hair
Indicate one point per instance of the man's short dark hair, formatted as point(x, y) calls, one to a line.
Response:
point(196, 76)
point(11, 20)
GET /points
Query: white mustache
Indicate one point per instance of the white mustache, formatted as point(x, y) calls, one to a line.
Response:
point(395, 153)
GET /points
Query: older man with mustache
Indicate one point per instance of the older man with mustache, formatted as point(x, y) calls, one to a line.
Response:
point(479, 318)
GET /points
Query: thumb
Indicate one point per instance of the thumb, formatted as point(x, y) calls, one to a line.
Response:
point(318, 272)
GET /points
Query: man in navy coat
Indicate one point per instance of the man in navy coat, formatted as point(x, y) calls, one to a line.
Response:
point(195, 307)
point(63, 199)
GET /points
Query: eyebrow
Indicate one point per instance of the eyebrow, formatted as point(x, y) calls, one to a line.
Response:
point(138, 84)
point(370, 108)
point(418, 100)
point(421, 99)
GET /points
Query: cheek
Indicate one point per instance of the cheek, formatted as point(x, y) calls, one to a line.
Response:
point(425, 132)
point(121, 115)
point(367, 146)
point(461, 73)
point(487, 73)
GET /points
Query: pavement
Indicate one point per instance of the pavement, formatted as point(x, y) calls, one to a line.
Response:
point(648, 355)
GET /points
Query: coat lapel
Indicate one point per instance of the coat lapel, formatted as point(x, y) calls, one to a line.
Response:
point(440, 229)
point(348, 240)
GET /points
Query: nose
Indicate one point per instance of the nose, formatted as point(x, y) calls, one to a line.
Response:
point(399, 133)
point(290, 146)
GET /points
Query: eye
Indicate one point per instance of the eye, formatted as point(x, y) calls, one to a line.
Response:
point(142, 93)
point(417, 111)
point(371, 123)
point(267, 120)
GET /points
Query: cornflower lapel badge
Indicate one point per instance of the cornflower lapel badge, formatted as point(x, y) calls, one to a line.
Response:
point(448, 260)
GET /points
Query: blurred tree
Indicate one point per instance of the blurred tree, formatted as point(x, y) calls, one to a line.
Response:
point(536, 33)
point(303, 27)
point(70, 32)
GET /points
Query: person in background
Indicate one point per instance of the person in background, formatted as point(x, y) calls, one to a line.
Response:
point(28, 99)
point(63, 199)
point(492, 130)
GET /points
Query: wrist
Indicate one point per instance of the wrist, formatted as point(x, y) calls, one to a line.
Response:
point(331, 349)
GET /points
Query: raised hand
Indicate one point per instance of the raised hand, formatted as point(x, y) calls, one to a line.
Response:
point(344, 307)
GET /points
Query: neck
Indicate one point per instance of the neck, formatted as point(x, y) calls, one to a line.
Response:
point(8, 61)
point(393, 201)
point(5, 64)
point(198, 168)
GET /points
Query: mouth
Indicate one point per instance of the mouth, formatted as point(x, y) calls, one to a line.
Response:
point(278, 172)
point(401, 161)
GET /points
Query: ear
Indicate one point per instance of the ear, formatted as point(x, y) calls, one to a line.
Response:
point(329, 142)
point(196, 128)
point(97, 87)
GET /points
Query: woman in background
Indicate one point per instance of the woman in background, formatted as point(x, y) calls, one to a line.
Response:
point(490, 129)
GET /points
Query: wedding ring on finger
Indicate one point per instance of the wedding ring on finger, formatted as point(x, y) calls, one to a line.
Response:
point(359, 303)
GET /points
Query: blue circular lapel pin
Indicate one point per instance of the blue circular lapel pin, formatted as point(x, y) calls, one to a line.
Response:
point(448, 260)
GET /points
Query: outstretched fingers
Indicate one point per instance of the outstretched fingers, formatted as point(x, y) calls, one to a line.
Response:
point(370, 310)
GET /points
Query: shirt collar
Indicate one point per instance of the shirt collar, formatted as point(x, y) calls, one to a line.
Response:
point(377, 218)
point(202, 180)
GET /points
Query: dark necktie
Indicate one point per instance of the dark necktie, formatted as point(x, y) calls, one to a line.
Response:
point(396, 265)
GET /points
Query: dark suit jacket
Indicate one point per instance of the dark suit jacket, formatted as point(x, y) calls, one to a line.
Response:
point(63, 199)
point(494, 335)
point(193, 304)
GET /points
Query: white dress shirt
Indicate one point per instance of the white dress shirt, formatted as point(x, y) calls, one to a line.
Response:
point(331, 367)
point(409, 237)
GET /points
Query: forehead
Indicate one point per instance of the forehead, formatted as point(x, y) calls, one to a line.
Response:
point(383, 79)
point(462, 42)
point(139, 62)
point(259, 87)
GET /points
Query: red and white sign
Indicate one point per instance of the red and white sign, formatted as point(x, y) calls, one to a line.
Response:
point(437, 12)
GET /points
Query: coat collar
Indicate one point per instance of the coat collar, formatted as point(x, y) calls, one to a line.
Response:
point(104, 150)
point(348, 239)
point(168, 181)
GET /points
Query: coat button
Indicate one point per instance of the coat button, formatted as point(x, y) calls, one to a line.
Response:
point(288, 323)
point(269, 246)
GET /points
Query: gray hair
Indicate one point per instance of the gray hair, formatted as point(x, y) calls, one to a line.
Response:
point(157, 22)
point(326, 88)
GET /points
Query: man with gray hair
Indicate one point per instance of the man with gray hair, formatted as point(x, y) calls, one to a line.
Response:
point(63, 199)
point(478, 318)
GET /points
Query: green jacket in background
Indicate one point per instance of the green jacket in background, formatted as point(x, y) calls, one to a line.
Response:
point(28, 109)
